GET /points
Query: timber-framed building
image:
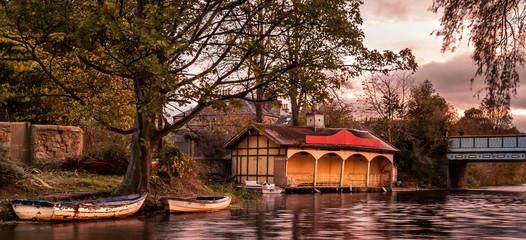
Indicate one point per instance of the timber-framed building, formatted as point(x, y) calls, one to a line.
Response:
point(311, 157)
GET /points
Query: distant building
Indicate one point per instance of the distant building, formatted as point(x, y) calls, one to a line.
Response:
point(236, 116)
point(312, 156)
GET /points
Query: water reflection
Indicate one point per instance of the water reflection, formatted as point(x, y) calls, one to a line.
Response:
point(436, 214)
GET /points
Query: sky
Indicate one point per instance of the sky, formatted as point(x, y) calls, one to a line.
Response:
point(398, 24)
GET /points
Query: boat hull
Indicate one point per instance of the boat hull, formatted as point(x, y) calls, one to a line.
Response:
point(33, 212)
point(117, 207)
point(175, 205)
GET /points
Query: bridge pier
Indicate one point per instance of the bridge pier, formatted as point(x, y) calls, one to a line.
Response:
point(458, 174)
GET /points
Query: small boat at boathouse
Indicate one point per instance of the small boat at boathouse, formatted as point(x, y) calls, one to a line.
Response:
point(198, 204)
point(113, 207)
point(264, 188)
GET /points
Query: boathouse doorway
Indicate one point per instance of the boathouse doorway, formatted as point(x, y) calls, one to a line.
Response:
point(329, 169)
point(380, 172)
point(300, 169)
point(355, 172)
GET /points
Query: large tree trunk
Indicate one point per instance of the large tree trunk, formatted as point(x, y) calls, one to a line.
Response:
point(295, 111)
point(137, 178)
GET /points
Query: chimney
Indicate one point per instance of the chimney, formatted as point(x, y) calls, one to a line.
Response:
point(315, 119)
point(285, 108)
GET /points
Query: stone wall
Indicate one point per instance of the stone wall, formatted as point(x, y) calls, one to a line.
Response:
point(51, 143)
point(5, 133)
point(42, 143)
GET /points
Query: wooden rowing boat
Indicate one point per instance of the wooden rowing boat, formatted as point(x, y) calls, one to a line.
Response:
point(114, 207)
point(198, 204)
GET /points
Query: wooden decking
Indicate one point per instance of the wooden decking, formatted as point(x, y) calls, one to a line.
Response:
point(327, 189)
point(335, 181)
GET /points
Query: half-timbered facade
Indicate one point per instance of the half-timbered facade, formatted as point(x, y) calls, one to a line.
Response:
point(299, 157)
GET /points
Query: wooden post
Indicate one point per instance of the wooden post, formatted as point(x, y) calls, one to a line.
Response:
point(341, 175)
point(391, 175)
point(315, 172)
point(367, 176)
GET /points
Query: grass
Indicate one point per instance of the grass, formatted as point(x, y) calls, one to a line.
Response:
point(68, 181)
point(237, 194)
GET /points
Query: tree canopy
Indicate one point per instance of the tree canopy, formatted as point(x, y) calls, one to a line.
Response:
point(496, 30)
point(118, 59)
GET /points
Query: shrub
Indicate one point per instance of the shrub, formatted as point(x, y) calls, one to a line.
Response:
point(114, 154)
point(175, 162)
point(104, 145)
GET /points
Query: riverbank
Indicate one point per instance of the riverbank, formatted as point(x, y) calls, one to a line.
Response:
point(79, 185)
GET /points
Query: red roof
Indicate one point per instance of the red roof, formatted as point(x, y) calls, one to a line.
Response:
point(327, 138)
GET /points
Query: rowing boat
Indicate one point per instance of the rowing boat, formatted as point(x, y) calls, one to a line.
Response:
point(113, 207)
point(198, 204)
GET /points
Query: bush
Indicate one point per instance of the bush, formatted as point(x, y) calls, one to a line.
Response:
point(114, 154)
point(174, 162)
point(106, 146)
point(97, 137)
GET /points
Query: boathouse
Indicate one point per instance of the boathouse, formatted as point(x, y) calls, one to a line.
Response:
point(311, 157)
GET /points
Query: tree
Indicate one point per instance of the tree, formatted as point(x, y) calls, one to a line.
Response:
point(496, 29)
point(498, 115)
point(337, 114)
point(427, 120)
point(329, 50)
point(474, 122)
point(130, 58)
point(482, 121)
point(388, 95)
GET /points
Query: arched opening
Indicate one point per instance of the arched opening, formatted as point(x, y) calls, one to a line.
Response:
point(329, 170)
point(300, 169)
point(355, 171)
point(380, 172)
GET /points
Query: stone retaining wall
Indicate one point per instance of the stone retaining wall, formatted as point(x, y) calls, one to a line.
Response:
point(52, 142)
point(5, 133)
point(41, 144)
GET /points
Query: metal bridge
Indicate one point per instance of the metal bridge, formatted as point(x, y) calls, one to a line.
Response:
point(489, 148)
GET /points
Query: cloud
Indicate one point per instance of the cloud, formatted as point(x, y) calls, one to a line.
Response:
point(397, 10)
point(451, 79)
point(397, 24)
point(520, 122)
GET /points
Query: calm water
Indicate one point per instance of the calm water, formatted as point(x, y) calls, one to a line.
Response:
point(493, 213)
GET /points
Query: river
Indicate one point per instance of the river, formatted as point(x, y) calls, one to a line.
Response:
point(491, 212)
